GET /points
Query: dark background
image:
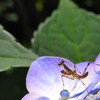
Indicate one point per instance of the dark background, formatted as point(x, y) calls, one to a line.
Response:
point(21, 18)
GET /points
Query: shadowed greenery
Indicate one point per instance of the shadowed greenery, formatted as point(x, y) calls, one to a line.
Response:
point(12, 54)
point(70, 32)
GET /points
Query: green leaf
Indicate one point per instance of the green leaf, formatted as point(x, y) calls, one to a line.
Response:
point(70, 32)
point(12, 54)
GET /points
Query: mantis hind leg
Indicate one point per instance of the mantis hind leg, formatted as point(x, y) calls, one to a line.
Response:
point(62, 76)
point(86, 67)
point(84, 85)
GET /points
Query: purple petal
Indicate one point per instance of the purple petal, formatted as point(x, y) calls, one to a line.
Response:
point(44, 77)
point(96, 88)
point(97, 59)
point(97, 67)
point(30, 96)
point(86, 84)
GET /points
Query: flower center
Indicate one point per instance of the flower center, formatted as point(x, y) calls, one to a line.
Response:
point(64, 94)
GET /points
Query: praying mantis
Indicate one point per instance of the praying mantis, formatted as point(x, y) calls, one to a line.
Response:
point(72, 74)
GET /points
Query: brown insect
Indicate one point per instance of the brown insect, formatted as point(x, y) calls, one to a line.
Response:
point(67, 71)
point(74, 74)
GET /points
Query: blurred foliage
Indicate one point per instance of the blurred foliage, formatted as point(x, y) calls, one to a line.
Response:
point(24, 16)
point(89, 3)
point(39, 5)
point(4, 6)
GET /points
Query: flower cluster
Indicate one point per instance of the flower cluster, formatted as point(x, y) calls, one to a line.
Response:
point(57, 78)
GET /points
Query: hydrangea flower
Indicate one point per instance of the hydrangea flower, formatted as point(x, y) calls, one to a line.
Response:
point(93, 97)
point(44, 80)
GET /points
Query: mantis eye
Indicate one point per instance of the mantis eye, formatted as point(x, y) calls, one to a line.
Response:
point(64, 94)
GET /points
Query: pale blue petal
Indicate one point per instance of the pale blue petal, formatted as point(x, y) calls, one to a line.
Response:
point(44, 77)
point(32, 96)
point(90, 81)
point(97, 67)
point(95, 89)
